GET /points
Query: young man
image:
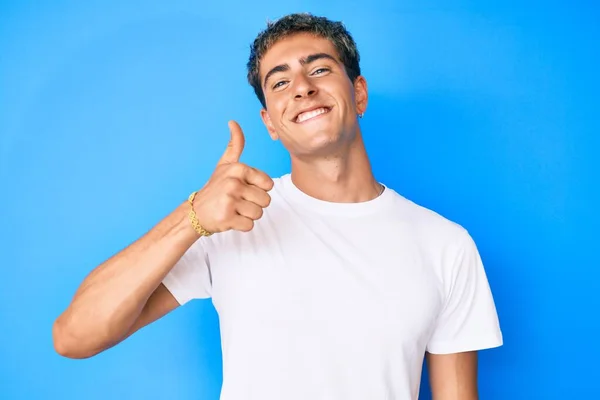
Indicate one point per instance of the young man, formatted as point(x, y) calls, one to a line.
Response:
point(328, 284)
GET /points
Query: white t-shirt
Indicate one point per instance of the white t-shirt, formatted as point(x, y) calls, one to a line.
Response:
point(328, 301)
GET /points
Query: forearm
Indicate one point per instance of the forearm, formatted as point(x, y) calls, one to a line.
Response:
point(111, 298)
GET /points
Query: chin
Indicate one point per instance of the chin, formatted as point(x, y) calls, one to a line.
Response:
point(319, 143)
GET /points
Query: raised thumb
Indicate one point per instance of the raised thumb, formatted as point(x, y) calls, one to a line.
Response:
point(235, 147)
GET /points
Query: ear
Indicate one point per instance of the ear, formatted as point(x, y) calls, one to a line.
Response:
point(268, 124)
point(361, 94)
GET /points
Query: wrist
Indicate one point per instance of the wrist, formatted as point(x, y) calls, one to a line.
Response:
point(193, 218)
point(183, 225)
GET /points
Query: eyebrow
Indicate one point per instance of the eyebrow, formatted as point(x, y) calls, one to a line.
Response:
point(303, 61)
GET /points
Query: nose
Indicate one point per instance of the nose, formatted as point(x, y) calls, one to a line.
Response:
point(304, 87)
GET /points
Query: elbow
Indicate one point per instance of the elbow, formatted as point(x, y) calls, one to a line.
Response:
point(66, 345)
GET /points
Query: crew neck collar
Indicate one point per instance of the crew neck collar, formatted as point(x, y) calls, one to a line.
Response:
point(294, 194)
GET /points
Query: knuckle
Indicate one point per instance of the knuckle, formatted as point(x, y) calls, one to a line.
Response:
point(238, 169)
point(225, 209)
point(220, 214)
point(231, 184)
point(229, 207)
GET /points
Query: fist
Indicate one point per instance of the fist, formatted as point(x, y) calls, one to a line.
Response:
point(236, 194)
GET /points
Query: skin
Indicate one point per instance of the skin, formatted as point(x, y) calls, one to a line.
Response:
point(328, 157)
point(329, 162)
point(453, 376)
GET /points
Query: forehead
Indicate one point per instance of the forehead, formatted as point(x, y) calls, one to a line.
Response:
point(291, 49)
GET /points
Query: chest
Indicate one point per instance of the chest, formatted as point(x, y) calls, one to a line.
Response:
point(311, 276)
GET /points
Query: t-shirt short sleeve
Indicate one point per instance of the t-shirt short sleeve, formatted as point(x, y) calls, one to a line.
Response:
point(190, 277)
point(468, 320)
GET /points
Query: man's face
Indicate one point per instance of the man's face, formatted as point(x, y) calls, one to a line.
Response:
point(312, 105)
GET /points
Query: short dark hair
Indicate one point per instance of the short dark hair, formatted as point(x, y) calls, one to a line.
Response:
point(302, 23)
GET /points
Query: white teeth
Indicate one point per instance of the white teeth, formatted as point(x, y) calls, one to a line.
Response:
point(311, 114)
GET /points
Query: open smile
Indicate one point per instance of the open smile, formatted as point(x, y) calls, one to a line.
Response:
point(311, 114)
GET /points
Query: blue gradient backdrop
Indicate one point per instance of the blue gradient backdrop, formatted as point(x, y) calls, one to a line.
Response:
point(112, 112)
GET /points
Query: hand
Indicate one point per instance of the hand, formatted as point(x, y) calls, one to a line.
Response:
point(236, 194)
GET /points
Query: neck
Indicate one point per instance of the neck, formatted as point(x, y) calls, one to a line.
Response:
point(344, 177)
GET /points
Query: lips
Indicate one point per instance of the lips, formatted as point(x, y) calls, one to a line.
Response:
point(311, 113)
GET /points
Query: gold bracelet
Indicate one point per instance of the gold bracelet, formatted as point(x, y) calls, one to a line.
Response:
point(194, 220)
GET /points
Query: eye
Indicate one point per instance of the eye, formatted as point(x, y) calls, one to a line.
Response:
point(320, 71)
point(278, 84)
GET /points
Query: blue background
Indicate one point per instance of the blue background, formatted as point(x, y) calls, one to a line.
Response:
point(112, 112)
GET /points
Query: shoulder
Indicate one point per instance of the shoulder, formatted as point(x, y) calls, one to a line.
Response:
point(431, 228)
point(445, 246)
point(426, 219)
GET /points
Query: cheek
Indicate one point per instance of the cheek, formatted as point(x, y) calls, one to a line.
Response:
point(278, 115)
point(277, 121)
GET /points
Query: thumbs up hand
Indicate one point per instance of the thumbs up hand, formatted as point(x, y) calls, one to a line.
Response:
point(236, 194)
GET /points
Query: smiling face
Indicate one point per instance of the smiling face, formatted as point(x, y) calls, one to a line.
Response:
point(311, 104)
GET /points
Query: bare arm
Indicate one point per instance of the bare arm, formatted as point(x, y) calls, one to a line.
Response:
point(124, 293)
point(453, 376)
